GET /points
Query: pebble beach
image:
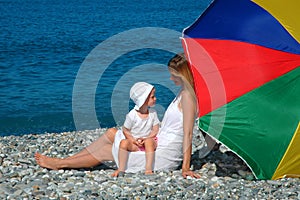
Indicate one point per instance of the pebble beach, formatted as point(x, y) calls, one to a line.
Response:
point(223, 174)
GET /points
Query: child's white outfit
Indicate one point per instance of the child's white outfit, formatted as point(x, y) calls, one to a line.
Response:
point(168, 154)
point(138, 126)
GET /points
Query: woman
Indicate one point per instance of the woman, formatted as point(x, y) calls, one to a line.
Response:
point(174, 137)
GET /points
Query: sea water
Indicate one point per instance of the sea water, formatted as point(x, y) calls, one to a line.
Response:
point(69, 65)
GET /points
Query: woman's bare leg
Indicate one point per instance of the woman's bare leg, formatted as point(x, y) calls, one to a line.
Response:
point(107, 138)
point(84, 158)
point(57, 163)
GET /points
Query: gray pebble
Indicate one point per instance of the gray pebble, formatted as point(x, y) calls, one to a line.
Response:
point(223, 175)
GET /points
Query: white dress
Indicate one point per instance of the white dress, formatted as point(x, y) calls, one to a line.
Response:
point(168, 154)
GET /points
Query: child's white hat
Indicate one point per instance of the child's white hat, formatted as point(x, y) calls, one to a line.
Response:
point(139, 92)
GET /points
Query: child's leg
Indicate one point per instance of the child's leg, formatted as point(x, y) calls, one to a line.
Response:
point(150, 146)
point(125, 146)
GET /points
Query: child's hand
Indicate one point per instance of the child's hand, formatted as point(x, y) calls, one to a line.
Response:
point(134, 141)
point(140, 142)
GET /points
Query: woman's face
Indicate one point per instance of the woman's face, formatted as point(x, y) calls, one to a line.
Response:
point(175, 78)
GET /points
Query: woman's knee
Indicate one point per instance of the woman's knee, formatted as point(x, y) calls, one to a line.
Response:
point(110, 133)
point(124, 144)
point(112, 130)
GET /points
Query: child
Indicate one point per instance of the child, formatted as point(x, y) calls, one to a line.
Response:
point(140, 127)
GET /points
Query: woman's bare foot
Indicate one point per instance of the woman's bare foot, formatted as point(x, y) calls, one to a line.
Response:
point(46, 162)
point(118, 173)
point(148, 172)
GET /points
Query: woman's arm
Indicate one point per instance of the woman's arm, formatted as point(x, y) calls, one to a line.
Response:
point(189, 112)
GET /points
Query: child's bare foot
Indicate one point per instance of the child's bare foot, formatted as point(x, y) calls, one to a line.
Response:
point(46, 162)
point(118, 173)
point(147, 172)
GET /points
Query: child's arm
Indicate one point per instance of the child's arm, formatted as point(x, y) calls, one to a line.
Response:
point(126, 128)
point(154, 131)
point(155, 128)
point(129, 136)
point(127, 133)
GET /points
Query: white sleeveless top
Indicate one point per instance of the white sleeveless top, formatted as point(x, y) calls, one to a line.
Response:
point(172, 124)
point(168, 154)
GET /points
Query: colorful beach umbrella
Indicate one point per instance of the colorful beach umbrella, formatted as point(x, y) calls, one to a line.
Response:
point(245, 58)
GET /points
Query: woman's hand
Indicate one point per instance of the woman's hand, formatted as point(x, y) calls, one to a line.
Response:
point(186, 173)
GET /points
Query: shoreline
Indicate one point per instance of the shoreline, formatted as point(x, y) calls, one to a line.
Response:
point(223, 175)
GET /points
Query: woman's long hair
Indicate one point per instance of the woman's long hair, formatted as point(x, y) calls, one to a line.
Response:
point(179, 66)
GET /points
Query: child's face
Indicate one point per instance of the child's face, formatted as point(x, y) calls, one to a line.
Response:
point(152, 98)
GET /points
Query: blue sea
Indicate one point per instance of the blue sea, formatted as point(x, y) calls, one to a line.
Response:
point(69, 65)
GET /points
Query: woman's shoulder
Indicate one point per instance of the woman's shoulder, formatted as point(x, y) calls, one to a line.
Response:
point(185, 95)
point(187, 99)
